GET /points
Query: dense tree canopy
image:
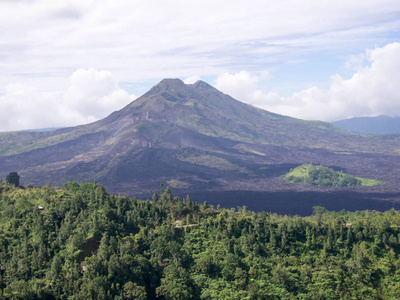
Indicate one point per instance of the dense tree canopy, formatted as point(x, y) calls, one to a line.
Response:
point(79, 242)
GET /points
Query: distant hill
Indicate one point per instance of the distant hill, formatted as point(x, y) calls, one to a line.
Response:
point(371, 125)
point(200, 141)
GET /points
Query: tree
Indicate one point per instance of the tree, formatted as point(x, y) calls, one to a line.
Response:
point(155, 197)
point(134, 291)
point(175, 284)
point(319, 210)
point(13, 179)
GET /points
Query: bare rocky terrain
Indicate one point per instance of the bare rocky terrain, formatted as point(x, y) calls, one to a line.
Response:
point(202, 142)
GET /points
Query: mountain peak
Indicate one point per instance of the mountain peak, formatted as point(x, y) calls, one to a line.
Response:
point(171, 82)
point(167, 85)
point(203, 85)
point(176, 86)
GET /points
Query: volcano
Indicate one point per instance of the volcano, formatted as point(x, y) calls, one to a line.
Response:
point(200, 141)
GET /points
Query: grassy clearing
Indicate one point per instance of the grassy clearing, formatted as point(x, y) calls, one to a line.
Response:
point(320, 175)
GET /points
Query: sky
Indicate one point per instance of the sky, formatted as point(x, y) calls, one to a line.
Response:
point(65, 63)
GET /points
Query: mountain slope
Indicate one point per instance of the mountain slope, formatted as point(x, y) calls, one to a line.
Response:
point(194, 138)
point(202, 108)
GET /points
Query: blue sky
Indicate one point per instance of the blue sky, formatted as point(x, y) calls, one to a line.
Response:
point(71, 62)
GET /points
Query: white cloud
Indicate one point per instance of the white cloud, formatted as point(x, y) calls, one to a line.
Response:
point(43, 42)
point(92, 95)
point(23, 106)
point(241, 85)
point(356, 62)
point(178, 38)
point(372, 90)
point(192, 79)
point(95, 94)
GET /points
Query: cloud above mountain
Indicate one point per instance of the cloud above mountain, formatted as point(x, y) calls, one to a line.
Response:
point(371, 90)
point(136, 40)
point(92, 95)
point(290, 51)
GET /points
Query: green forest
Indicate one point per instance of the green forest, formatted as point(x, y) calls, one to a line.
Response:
point(79, 242)
point(316, 174)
